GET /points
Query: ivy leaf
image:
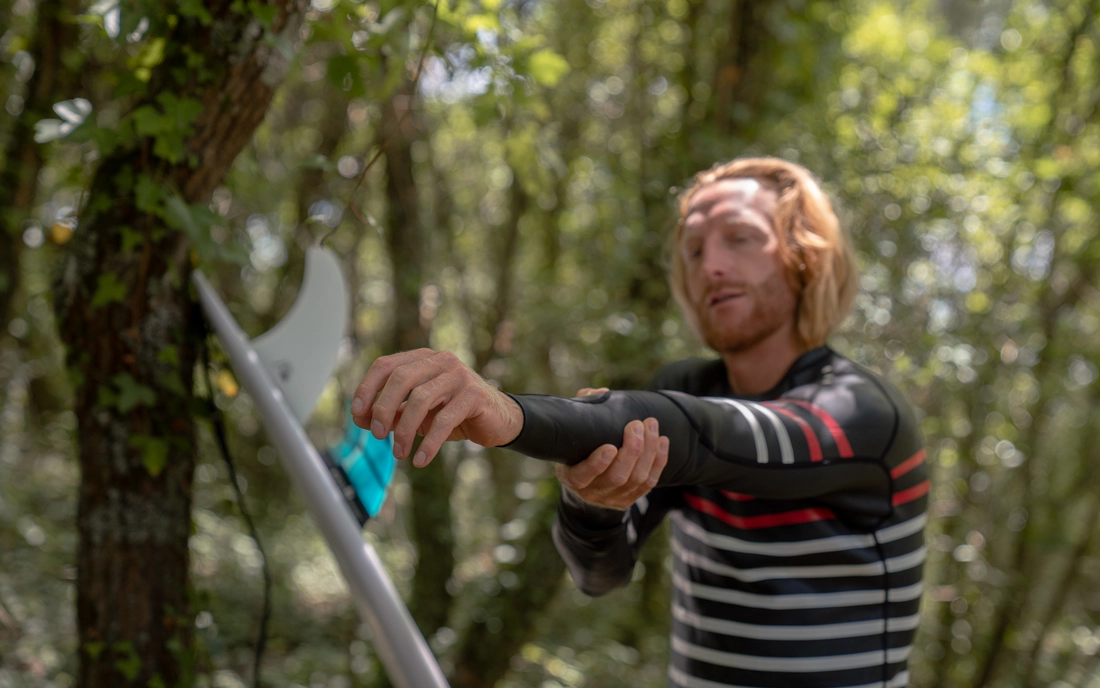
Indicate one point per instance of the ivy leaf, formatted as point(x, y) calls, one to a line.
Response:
point(149, 122)
point(154, 453)
point(130, 665)
point(195, 221)
point(94, 649)
point(195, 9)
point(265, 14)
point(169, 355)
point(547, 67)
point(147, 195)
point(181, 112)
point(109, 289)
point(170, 127)
point(131, 393)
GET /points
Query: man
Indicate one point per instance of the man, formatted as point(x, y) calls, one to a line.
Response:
point(797, 483)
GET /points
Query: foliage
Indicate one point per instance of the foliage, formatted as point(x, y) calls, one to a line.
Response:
point(961, 151)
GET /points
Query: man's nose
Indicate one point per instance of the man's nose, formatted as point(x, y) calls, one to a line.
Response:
point(716, 263)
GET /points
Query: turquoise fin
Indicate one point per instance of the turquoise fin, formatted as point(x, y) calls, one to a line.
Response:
point(363, 468)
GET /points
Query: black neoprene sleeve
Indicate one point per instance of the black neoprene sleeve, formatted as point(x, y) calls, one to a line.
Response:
point(709, 446)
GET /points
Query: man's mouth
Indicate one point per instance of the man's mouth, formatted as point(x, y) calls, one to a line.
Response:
point(722, 297)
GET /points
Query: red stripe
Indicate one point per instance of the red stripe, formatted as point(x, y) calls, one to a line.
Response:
point(738, 497)
point(915, 492)
point(811, 437)
point(907, 465)
point(784, 518)
point(835, 430)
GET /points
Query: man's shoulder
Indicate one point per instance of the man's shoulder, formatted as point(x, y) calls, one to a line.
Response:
point(698, 376)
point(861, 400)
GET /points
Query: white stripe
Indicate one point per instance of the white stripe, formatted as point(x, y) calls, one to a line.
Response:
point(631, 534)
point(780, 431)
point(836, 543)
point(757, 431)
point(856, 660)
point(907, 561)
point(853, 629)
point(680, 678)
point(874, 568)
point(774, 549)
point(903, 529)
point(642, 504)
point(818, 600)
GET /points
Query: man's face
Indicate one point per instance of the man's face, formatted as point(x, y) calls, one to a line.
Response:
point(735, 280)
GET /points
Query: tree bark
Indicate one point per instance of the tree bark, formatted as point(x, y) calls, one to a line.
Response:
point(430, 603)
point(132, 354)
point(23, 158)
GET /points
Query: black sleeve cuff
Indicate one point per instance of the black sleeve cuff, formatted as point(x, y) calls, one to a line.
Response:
point(581, 516)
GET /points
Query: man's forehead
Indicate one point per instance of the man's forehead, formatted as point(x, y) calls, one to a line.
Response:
point(735, 192)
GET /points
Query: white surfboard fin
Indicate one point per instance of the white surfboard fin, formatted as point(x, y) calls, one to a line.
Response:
point(300, 351)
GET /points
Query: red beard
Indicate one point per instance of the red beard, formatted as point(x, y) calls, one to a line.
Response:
point(743, 322)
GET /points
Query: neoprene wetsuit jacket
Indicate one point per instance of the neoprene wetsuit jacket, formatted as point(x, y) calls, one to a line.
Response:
point(798, 528)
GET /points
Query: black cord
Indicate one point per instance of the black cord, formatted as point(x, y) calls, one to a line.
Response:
point(218, 425)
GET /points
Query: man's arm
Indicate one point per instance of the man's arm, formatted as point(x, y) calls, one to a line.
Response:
point(770, 451)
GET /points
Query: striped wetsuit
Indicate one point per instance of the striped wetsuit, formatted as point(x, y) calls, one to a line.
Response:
point(797, 520)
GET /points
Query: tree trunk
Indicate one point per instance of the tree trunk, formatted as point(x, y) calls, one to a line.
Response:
point(430, 602)
point(131, 333)
point(23, 159)
point(511, 616)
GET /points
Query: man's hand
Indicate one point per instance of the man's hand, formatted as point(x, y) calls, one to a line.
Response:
point(435, 395)
point(616, 478)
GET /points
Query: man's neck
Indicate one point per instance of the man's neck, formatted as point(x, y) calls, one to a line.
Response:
point(757, 369)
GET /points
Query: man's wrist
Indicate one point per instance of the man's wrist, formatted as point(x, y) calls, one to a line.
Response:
point(514, 419)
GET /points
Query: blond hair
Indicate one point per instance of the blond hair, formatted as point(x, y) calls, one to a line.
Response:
point(815, 250)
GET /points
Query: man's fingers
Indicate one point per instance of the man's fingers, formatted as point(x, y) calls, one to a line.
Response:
point(442, 426)
point(377, 376)
point(659, 463)
point(640, 475)
point(423, 399)
point(581, 475)
point(618, 474)
point(404, 380)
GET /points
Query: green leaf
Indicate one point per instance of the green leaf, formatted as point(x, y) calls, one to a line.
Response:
point(130, 665)
point(94, 649)
point(189, 219)
point(151, 55)
point(149, 122)
point(106, 398)
point(195, 9)
point(131, 239)
point(195, 221)
point(169, 147)
point(180, 112)
point(147, 195)
point(109, 289)
point(154, 453)
point(170, 127)
point(547, 67)
point(265, 14)
point(169, 355)
point(131, 393)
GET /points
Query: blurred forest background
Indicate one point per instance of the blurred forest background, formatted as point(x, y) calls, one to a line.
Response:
point(499, 178)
